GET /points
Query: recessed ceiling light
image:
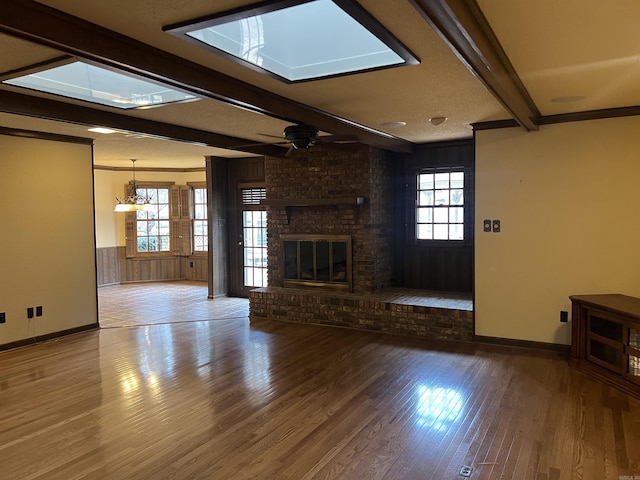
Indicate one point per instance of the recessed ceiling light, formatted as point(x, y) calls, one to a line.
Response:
point(102, 130)
point(393, 124)
point(568, 99)
point(437, 120)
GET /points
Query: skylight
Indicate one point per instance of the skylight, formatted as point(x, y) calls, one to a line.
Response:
point(309, 40)
point(76, 79)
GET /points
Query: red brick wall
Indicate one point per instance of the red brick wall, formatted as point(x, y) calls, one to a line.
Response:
point(323, 173)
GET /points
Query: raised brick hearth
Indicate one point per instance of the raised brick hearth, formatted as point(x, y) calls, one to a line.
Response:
point(309, 193)
point(380, 312)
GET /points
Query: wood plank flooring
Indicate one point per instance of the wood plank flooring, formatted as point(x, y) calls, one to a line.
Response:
point(226, 399)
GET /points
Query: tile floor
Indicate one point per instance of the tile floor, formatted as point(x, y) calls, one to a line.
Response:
point(136, 304)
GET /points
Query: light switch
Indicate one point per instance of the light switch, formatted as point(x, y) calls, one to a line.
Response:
point(486, 225)
point(496, 226)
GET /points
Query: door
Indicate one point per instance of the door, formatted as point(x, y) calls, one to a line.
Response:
point(251, 245)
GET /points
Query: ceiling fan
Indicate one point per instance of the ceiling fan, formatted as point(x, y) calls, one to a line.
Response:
point(302, 136)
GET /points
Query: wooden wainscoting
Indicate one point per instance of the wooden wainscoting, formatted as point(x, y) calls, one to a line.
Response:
point(152, 269)
point(108, 266)
point(196, 267)
point(113, 267)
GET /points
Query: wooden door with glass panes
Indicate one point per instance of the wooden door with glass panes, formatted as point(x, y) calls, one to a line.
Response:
point(252, 239)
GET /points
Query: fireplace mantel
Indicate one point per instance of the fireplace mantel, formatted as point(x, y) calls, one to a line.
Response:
point(312, 202)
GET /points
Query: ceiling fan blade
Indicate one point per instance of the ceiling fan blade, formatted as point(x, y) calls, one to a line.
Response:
point(338, 139)
point(260, 144)
point(272, 136)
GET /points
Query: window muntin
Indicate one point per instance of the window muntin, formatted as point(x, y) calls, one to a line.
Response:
point(200, 232)
point(440, 205)
point(153, 226)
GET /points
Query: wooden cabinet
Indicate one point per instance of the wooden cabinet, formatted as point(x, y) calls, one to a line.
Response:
point(606, 339)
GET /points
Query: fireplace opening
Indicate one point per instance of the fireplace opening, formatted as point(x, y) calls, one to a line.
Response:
point(317, 261)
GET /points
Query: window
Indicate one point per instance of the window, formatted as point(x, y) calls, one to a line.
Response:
point(176, 223)
point(440, 204)
point(77, 79)
point(153, 226)
point(200, 232)
point(298, 40)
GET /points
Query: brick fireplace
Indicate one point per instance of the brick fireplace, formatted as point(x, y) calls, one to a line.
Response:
point(330, 193)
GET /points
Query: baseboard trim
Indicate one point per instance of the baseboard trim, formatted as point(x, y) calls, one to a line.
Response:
point(217, 296)
point(48, 336)
point(511, 342)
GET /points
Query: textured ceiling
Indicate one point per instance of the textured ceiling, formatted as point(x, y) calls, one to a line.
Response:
point(584, 48)
point(571, 48)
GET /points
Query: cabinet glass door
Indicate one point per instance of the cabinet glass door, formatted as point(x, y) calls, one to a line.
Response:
point(634, 354)
point(606, 342)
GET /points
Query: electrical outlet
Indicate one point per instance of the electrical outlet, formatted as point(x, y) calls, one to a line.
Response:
point(30, 312)
point(39, 311)
point(3, 317)
point(564, 316)
point(466, 471)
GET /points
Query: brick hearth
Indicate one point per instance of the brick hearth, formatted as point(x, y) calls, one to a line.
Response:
point(393, 311)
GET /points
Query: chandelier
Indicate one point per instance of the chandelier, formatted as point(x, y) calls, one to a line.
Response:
point(134, 202)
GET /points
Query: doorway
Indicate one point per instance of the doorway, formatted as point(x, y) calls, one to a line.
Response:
point(250, 252)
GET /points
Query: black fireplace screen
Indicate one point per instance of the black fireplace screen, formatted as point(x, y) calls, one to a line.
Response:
point(317, 260)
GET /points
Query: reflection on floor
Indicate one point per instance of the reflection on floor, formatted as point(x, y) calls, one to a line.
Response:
point(136, 304)
point(233, 400)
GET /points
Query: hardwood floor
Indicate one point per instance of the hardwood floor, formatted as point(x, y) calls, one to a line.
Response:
point(226, 399)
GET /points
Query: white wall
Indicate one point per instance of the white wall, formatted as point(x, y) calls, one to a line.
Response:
point(110, 184)
point(47, 246)
point(568, 198)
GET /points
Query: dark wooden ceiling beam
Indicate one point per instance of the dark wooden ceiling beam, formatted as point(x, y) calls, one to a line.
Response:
point(462, 25)
point(44, 25)
point(20, 104)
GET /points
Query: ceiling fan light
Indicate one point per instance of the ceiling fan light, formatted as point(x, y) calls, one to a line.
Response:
point(301, 136)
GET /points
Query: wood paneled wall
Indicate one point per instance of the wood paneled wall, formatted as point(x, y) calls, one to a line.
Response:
point(108, 266)
point(218, 214)
point(196, 267)
point(419, 264)
point(438, 268)
point(113, 267)
point(150, 269)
